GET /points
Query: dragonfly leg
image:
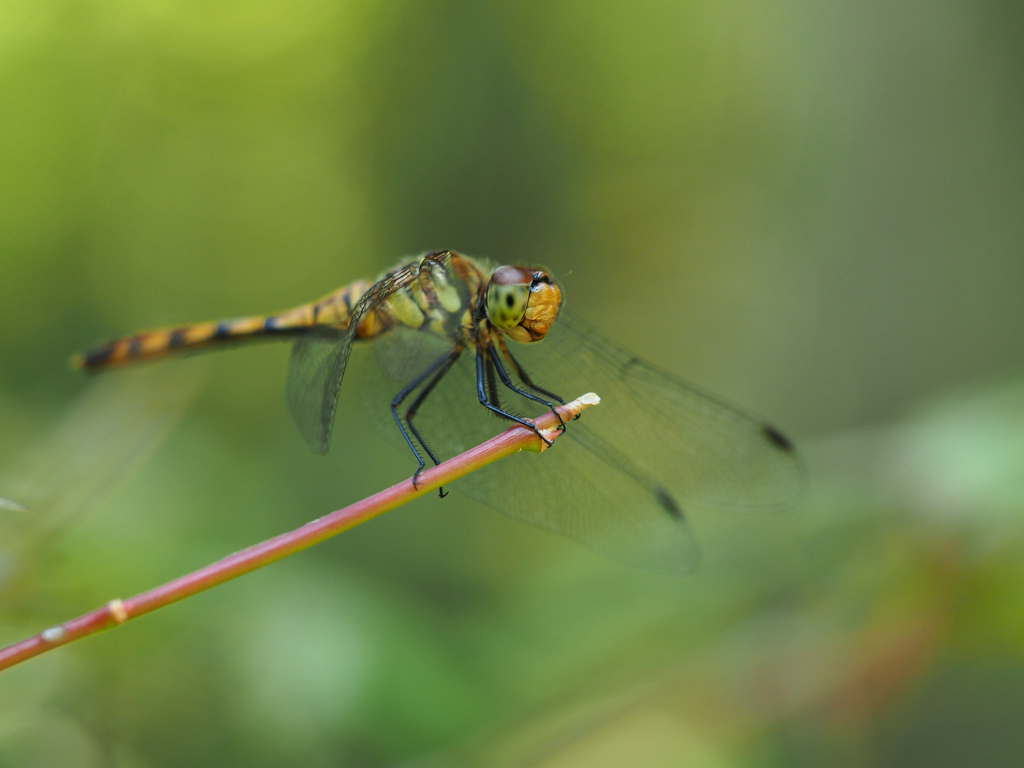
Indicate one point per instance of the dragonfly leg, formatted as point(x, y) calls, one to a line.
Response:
point(523, 375)
point(507, 381)
point(410, 413)
point(492, 383)
point(435, 372)
point(484, 398)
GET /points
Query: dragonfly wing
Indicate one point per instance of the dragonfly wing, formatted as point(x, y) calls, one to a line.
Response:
point(613, 480)
point(689, 441)
point(317, 368)
point(315, 373)
point(569, 490)
point(404, 353)
point(608, 506)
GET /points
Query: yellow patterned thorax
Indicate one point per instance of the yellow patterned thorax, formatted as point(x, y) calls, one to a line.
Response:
point(433, 294)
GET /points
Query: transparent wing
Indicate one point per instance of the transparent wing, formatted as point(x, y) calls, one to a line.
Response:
point(701, 448)
point(613, 484)
point(315, 373)
point(317, 368)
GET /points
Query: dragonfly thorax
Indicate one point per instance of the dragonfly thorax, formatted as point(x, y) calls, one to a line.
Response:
point(522, 302)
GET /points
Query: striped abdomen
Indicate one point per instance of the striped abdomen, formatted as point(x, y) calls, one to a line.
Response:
point(334, 310)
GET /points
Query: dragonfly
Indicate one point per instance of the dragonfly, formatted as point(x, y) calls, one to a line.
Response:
point(439, 327)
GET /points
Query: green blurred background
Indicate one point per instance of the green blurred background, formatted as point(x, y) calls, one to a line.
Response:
point(816, 210)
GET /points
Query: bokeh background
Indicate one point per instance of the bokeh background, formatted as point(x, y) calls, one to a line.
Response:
point(814, 209)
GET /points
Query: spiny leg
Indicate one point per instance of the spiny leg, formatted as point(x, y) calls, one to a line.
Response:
point(446, 366)
point(482, 396)
point(523, 375)
point(445, 361)
point(492, 382)
point(507, 381)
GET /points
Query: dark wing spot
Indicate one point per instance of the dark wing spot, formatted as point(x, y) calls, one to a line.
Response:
point(510, 300)
point(135, 347)
point(270, 323)
point(176, 339)
point(668, 503)
point(778, 439)
point(223, 329)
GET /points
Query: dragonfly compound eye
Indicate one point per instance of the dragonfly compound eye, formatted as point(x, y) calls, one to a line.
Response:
point(522, 302)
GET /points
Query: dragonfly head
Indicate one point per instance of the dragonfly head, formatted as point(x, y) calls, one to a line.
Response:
point(522, 302)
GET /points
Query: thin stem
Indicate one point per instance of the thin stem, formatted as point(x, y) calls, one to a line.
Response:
point(117, 611)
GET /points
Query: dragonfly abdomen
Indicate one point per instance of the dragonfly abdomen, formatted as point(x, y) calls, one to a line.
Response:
point(150, 345)
point(333, 310)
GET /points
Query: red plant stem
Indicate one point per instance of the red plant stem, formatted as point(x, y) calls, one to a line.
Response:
point(118, 611)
